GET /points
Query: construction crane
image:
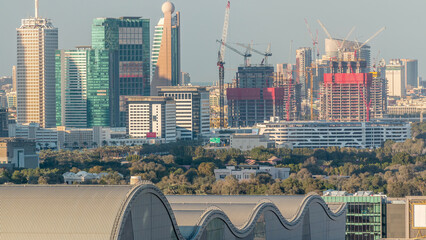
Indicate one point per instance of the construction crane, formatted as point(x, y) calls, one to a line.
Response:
point(314, 40)
point(358, 48)
point(246, 54)
point(341, 47)
point(220, 64)
point(266, 54)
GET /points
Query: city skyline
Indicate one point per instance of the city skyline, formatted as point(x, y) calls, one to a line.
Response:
point(263, 28)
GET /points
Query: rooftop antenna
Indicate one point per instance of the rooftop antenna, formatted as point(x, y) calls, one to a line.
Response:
point(36, 8)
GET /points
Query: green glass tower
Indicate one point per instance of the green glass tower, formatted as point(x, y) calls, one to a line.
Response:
point(129, 38)
point(86, 88)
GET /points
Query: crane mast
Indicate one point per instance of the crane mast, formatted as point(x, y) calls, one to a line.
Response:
point(220, 64)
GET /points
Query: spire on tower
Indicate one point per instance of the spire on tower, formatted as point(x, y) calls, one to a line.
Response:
point(36, 8)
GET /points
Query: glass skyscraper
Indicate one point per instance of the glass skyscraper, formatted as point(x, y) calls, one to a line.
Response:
point(86, 88)
point(129, 39)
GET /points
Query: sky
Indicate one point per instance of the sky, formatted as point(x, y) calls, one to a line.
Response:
point(278, 22)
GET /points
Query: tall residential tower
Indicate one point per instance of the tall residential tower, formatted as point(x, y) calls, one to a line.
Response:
point(37, 40)
point(166, 50)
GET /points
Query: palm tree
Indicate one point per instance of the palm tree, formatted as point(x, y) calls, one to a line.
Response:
point(94, 144)
point(65, 145)
point(104, 143)
point(114, 143)
point(75, 145)
point(85, 144)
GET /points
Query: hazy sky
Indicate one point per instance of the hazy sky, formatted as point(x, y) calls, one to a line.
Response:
point(267, 21)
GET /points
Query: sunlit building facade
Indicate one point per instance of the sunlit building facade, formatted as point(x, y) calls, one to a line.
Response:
point(166, 50)
point(37, 40)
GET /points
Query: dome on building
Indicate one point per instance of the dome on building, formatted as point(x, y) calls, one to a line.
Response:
point(168, 7)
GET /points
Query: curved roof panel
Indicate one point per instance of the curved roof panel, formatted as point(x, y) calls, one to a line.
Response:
point(135, 212)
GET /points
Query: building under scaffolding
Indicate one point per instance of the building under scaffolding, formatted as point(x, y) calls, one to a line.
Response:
point(259, 95)
point(345, 97)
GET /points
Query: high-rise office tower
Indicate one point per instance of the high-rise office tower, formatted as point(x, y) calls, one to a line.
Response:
point(411, 72)
point(37, 40)
point(86, 88)
point(71, 88)
point(166, 50)
point(129, 39)
point(192, 110)
point(303, 60)
point(396, 78)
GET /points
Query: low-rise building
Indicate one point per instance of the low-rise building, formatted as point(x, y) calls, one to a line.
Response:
point(246, 142)
point(244, 172)
point(366, 213)
point(18, 152)
point(321, 134)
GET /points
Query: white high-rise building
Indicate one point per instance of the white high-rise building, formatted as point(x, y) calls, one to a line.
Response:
point(395, 75)
point(192, 110)
point(152, 117)
point(37, 40)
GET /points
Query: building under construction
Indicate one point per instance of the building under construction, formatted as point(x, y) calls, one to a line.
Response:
point(261, 94)
point(378, 96)
point(345, 97)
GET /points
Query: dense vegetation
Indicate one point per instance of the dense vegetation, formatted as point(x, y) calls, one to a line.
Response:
point(396, 169)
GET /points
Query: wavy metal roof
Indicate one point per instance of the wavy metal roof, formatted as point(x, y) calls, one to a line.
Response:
point(106, 212)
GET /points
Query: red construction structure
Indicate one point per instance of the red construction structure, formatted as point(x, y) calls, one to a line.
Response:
point(345, 97)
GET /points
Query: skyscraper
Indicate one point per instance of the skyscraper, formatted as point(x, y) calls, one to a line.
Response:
point(411, 72)
point(166, 50)
point(71, 88)
point(129, 39)
point(37, 40)
point(303, 60)
point(86, 88)
point(396, 78)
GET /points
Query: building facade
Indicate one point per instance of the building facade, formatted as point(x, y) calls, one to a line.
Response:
point(345, 97)
point(395, 74)
point(71, 88)
point(335, 134)
point(37, 40)
point(192, 110)
point(87, 88)
point(21, 153)
point(246, 172)
point(152, 117)
point(246, 142)
point(365, 217)
point(411, 72)
point(128, 39)
point(303, 60)
point(166, 63)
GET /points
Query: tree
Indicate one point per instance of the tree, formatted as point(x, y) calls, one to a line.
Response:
point(206, 169)
point(104, 143)
point(94, 144)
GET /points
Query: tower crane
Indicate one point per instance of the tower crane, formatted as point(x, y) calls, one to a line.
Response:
point(358, 48)
point(246, 55)
point(220, 64)
point(341, 47)
point(266, 54)
point(314, 40)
